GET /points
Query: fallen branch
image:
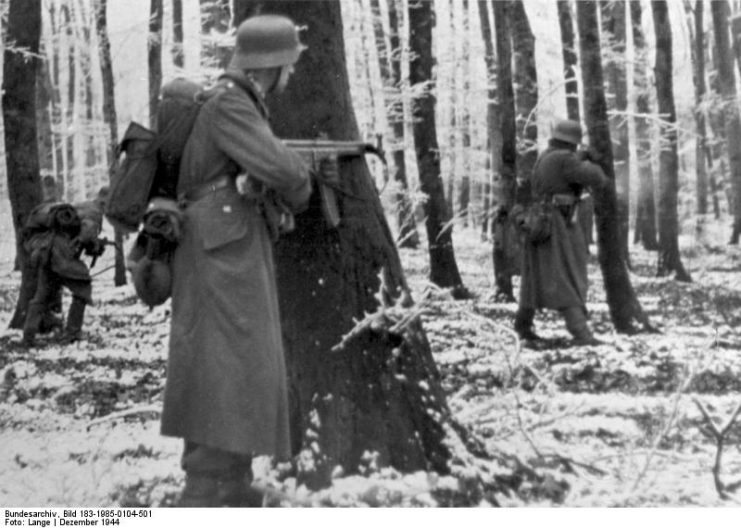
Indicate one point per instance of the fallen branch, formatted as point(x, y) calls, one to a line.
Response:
point(147, 409)
point(719, 435)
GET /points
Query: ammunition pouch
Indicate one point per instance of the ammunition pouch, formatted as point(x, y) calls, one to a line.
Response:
point(567, 205)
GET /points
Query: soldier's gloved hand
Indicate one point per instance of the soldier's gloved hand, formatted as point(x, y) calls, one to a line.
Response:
point(590, 154)
point(95, 247)
point(328, 171)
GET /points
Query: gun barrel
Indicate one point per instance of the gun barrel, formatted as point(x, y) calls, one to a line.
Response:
point(338, 148)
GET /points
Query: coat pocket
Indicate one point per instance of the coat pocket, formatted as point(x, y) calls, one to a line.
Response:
point(223, 222)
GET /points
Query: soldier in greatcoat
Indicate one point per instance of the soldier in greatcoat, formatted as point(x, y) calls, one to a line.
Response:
point(226, 390)
point(554, 272)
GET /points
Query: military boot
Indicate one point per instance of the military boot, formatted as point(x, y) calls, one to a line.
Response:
point(524, 324)
point(34, 317)
point(577, 325)
point(75, 317)
point(201, 491)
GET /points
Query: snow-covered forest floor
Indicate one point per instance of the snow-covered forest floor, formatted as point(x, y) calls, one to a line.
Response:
point(617, 423)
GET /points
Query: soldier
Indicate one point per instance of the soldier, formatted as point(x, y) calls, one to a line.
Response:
point(226, 393)
point(55, 237)
point(554, 272)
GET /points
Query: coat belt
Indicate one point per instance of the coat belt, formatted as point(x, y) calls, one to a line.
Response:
point(201, 191)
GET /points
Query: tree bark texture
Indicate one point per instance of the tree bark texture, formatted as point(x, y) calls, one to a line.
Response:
point(380, 392)
point(727, 84)
point(696, 19)
point(154, 58)
point(443, 266)
point(493, 118)
point(178, 53)
point(625, 310)
point(109, 114)
point(613, 21)
point(19, 112)
point(19, 116)
point(506, 249)
point(669, 259)
point(568, 47)
point(526, 88)
point(645, 227)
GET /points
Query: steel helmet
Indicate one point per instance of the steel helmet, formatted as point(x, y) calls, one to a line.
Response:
point(567, 130)
point(266, 41)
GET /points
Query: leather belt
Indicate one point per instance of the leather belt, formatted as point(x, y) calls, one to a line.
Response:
point(201, 191)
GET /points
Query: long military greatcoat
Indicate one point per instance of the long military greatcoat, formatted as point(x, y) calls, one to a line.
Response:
point(226, 377)
point(554, 273)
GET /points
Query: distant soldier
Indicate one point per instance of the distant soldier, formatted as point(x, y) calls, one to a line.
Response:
point(554, 273)
point(226, 393)
point(55, 236)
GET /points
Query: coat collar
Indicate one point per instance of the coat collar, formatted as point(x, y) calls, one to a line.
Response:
point(248, 84)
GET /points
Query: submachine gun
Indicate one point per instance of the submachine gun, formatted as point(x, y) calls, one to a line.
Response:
point(315, 150)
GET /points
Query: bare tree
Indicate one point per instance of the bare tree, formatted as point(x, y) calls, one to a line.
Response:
point(215, 18)
point(109, 114)
point(625, 309)
point(568, 48)
point(727, 84)
point(669, 259)
point(645, 226)
point(178, 53)
point(525, 79)
point(613, 21)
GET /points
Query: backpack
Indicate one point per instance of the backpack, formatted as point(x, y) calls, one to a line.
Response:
point(149, 161)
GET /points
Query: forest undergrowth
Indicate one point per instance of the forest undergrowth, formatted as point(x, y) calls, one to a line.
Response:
point(619, 424)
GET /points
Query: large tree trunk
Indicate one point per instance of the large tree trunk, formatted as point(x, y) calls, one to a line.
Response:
point(506, 248)
point(109, 114)
point(645, 227)
point(380, 392)
point(669, 259)
point(613, 20)
point(727, 83)
point(443, 267)
point(154, 58)
point(625, 309)
point(526, 89)
point(568, 49)
point(19, 116)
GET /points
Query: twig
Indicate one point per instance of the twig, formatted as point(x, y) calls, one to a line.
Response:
point(147, 409)
point(719, 435)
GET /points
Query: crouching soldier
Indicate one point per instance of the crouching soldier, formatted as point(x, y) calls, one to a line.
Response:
point(55, 237)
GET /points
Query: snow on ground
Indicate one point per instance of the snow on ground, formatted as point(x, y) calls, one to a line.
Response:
point(616, 422)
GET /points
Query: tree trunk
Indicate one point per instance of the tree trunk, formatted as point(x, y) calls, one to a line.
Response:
point(109, 115)
point(215, 17)
point(154, 58)
point(645, 228)
point(408, 236)
point(44, 108)
point(625, 309)
point(380, 393)
point(493, 120)
point(506, 250)
point(696, 23)
point(568, 47)
point(727, 82)
point(178, 53)
point(443, 266)
point(526, 89)
point(613, 20)
point(19, 116)
point(669, 259)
